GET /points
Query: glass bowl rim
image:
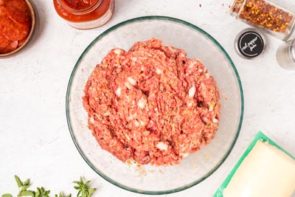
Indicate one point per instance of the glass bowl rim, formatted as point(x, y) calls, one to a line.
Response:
point(68, 93)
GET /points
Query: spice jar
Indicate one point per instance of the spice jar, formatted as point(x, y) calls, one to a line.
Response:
point(85, 14)
point(286, 55)
point(267, 15)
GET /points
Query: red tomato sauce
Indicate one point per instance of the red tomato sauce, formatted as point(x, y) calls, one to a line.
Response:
point(74, 6)
point(15, 24)
point(79, 4)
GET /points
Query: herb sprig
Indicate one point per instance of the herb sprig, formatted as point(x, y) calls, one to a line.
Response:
point(83, 187)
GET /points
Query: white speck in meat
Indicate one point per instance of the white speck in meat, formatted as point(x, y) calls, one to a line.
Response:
point(159, 71)
point(215, 120)
point(118, 91)
point(162, 146)
point(117, 51)
point(192, 91)
point(131, 81)
point(141, 103)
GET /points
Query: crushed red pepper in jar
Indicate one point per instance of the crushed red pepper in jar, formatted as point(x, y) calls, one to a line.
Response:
point(265, 14)
point(15, 24)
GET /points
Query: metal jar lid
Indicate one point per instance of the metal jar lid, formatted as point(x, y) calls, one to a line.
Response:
point(250, 43)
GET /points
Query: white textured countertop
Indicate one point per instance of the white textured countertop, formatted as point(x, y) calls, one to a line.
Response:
point(34, 138)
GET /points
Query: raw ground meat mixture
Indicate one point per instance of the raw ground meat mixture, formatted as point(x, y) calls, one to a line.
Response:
point(151, 104)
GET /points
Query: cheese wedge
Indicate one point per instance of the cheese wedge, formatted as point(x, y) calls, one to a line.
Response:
point(266, 171)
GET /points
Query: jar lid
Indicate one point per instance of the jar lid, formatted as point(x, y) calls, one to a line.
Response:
point(250, 43)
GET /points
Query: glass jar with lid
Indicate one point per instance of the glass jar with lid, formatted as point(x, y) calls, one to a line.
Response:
point(286, 55)
point(85, 14)
point(267, 15)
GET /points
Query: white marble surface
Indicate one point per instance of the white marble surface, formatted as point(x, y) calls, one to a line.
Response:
point(34, 138)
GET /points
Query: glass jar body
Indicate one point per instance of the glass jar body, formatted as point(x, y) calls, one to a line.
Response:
point(286, 55)
point(95, 15)
point(266, 15)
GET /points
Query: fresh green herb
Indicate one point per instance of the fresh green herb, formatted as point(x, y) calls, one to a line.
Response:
point(42, 192)
point(83, 187)
point(26, 193)
point(6, 195)
point(23, 187)
point(18, 181)
point(61, 194)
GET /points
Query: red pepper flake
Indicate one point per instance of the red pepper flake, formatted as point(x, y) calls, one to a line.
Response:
point(263, 14)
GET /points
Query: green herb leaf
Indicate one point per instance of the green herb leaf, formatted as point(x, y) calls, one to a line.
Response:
point(18, 181)
point(84, 188)
point(42, 192)
point(27, 182)
point(61, 194)
point(92, 191)
point(27, 193)
point(6, 195)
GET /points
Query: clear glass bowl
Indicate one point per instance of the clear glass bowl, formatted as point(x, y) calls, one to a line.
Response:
point(194, 168)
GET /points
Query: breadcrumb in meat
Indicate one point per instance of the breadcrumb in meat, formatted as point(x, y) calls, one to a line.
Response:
point(151, 104)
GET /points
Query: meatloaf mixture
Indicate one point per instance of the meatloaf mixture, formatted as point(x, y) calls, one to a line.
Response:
point(151, 104)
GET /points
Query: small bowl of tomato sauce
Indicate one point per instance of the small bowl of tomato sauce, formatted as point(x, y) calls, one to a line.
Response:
point(17, 24)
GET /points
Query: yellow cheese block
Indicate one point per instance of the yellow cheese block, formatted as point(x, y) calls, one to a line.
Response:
point(265, 172)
